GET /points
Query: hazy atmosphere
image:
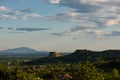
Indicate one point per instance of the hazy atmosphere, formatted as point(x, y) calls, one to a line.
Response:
point(60, 25)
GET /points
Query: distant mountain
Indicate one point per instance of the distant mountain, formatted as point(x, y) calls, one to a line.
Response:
point(80, 56)
point(21, 51)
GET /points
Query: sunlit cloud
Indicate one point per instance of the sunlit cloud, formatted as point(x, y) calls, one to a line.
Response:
point(4, 8)
point(53, 1)
point(111, 22)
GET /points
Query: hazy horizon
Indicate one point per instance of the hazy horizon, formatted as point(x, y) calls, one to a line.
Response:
point(60, 25)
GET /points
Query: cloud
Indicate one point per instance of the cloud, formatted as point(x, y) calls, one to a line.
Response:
point(24, 30)
point(80, 5)
point(81, 31)
point(25, 10)
point(53, 1)
point(78, 32)
point(102, 13)
point(32, 29)
point(23, 14)
point(1, 27)
point(65, 33)
point(32, 15)
point(72, 32)
point(5, 16)
point(113, 33)
point(4, 8)
point(10, 28)
point(111, 22)
point(81, 28)
point(98, 19)
point(19, 12)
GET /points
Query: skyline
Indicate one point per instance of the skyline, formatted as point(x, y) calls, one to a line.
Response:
point(60, 25)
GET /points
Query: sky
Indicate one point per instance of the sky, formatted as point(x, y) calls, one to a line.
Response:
point(60, 25)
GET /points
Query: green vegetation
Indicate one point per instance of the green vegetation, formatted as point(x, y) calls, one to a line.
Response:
point(14, 73)
point(80, 56)
point(80, 65)
point(76, 71)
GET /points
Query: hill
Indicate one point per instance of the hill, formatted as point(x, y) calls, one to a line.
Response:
point(22, 51)
point(80, 56)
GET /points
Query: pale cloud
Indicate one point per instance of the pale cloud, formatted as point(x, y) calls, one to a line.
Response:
point(99, 32)
point(3, 8)
point(32, 15)
point(53, 1)
point(5, 16)
point(11, 14)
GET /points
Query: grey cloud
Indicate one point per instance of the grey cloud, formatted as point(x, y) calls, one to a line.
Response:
point(19, 12)
point(25, 10)
point(82, 32)
point(10, 28)
point(69, 16)
point(32, 29)
point(64, 33)
point(58, 34)
point(80, 7)
point(1, 27)
point(74, 31)
point(113, 33)
point(81, 28)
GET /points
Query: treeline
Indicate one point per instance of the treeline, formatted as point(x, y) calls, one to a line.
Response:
point(14, 73)
point(79, 56)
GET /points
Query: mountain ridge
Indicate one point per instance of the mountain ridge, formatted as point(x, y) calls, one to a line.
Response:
point(21, 50)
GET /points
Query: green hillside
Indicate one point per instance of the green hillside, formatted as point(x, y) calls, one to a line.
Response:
point(80, 56)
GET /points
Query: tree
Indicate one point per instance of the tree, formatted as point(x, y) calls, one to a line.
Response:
point(19, 74)
point(4, 73)
point(88, 72)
